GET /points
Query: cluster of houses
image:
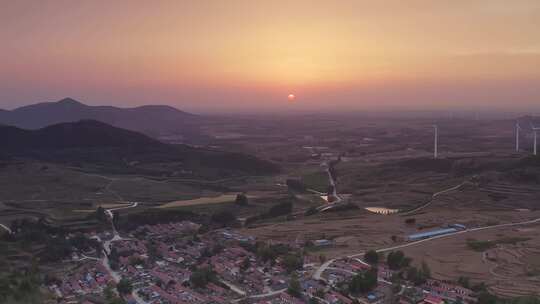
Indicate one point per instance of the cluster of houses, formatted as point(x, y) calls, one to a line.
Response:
point(159, 262)
point(91, 278)
point(431, 292)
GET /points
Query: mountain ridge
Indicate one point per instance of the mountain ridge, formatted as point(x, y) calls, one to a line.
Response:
point(152, 120)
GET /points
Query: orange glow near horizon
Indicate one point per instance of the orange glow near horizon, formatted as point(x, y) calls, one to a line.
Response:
point(235, 54)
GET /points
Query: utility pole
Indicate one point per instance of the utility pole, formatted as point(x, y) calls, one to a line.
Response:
point(517, 136)
point(436, 139)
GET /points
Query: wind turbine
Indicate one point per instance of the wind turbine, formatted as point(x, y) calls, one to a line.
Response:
point(517, 135)
point(435, 141)
point(534, 129)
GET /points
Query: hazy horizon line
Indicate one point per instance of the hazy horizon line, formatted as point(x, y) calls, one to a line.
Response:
point(294, 108)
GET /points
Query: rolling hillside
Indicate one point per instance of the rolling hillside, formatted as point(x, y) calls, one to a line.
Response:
point(96, 145)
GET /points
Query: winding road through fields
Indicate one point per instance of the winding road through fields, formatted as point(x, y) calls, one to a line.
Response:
point(107, 248)
point(428, 203)
point(332, 183)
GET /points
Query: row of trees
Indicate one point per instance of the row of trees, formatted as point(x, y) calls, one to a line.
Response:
point(269, 253)
point(396, 260)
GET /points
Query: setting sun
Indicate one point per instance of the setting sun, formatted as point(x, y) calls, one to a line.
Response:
point(291, 97)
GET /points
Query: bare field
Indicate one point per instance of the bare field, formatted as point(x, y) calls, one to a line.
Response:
point(508, 269)
point(29, 182)
point(224, 198)
point(360, 230)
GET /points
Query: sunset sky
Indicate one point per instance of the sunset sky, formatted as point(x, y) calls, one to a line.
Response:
point(250, 55)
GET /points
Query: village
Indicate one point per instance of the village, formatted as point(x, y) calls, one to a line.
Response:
point(174, 264)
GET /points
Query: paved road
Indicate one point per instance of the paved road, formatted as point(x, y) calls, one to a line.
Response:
point(107, 248)
point(322, 268)
point(333, 184)
point(109, 213)
point(260, 296)
point(5, 227)
point(234, 288)
point(428, 203)
point(85, 257)
point(334, 193)
point(268, 294)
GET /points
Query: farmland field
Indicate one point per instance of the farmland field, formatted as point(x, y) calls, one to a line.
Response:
point(224, 198)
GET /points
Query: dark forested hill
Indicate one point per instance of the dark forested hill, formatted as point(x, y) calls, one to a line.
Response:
point(94, 143)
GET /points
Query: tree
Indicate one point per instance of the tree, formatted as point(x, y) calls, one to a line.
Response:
point(116, 300)
point(241, 199)
point(292, 262)
point(110, 296)
point(419, 276)
point(487, 298)
point(410, 221)
point(266, 253)
point(134, 260)
point(100, 214)
point(371, 257)
point(245, 264)
point(116, 218)
point(425, 270)
point(464, 281)
point(153, 251)
point(313, 301)
point(294, 289)
point(124, 287)
point(296, 185)
point(114, 258)
point(202, 276)
point(395, 260)
point(363, 282)
point(108, 293)
point(406, 262)
point(370, 279)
